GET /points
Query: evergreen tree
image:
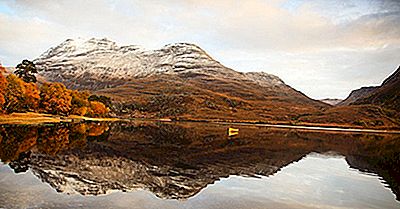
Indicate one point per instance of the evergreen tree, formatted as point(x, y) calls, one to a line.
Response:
point(27, 70)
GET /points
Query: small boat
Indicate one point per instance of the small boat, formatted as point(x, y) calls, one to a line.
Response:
point(233, 131)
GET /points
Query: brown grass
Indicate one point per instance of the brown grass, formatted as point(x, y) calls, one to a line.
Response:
point(39, 118)
point(215, 99)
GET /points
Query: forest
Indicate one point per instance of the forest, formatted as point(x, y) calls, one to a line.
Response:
point(20, 92)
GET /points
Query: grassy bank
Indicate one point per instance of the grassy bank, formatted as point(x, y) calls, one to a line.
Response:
point(38, 118)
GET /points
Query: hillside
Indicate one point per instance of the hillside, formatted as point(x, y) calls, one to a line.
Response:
point(367, 106)
point(358, 94)
point(182, 81)
point(387, 95)
point(179, 80)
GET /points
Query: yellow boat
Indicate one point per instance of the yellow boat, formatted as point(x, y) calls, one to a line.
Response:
point(233, 131)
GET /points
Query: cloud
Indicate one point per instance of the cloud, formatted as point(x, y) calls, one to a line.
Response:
point(255, 24)
point(24, 38)
point(319, 47)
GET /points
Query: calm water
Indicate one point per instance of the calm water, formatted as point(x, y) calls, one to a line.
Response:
point(195, 165)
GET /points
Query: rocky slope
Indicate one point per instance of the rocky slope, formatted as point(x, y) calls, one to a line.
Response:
point(178, 80)
point(358, 94)
point(387, 95)
point(373, 107)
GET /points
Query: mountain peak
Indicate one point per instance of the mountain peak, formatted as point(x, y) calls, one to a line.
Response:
point(188, 50)
point(78, 47)
point(182, 45)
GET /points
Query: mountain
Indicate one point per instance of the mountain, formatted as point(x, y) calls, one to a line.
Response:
point(367, 107)
point(178, 80)
point(358, 94)
point(100, 63)
point(331, 101)
point(183, 82)
point(387, 95)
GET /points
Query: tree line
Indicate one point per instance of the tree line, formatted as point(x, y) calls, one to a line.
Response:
point(20, 93)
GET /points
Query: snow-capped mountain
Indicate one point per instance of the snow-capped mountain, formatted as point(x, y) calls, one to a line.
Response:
point(96, 63)
point(178, 80)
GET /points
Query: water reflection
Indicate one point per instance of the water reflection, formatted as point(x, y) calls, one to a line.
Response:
point(177, 161)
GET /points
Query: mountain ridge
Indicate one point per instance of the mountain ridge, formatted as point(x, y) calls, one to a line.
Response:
point(183, 82)
point(81, 59)
point(179, 79)
point(358, 94)
point(386, 95)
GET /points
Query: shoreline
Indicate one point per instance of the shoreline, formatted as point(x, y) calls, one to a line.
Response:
point(315, 128)
point(40, 118)
point(311, 127)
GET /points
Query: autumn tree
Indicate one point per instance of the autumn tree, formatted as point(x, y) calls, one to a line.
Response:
point(20, 96)
point(98, 109)
point(103, 99)
point(55, 98)
point(79, 102)
point(31, 97)
point(14, 94)
point(26, 70)
point(3, 87)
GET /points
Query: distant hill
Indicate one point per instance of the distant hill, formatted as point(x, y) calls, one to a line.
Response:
point(367, 106)
point(357, 94)
point(387, 95)
point(332, 102)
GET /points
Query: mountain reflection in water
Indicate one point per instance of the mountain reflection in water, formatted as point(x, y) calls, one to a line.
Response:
point(178, 160)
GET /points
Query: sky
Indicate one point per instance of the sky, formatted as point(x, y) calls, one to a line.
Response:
point(324, 48)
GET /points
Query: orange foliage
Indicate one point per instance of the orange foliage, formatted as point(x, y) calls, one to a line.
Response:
point(3, 86)
point(55, 98)
point(79, 102)
point(32, 96)
point(14, 94)
point(20, 96)
point(98, 109)
point(79, 111)
point(17, 95)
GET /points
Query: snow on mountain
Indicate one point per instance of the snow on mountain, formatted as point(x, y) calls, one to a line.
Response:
point(265, 79)
point(86, 63)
